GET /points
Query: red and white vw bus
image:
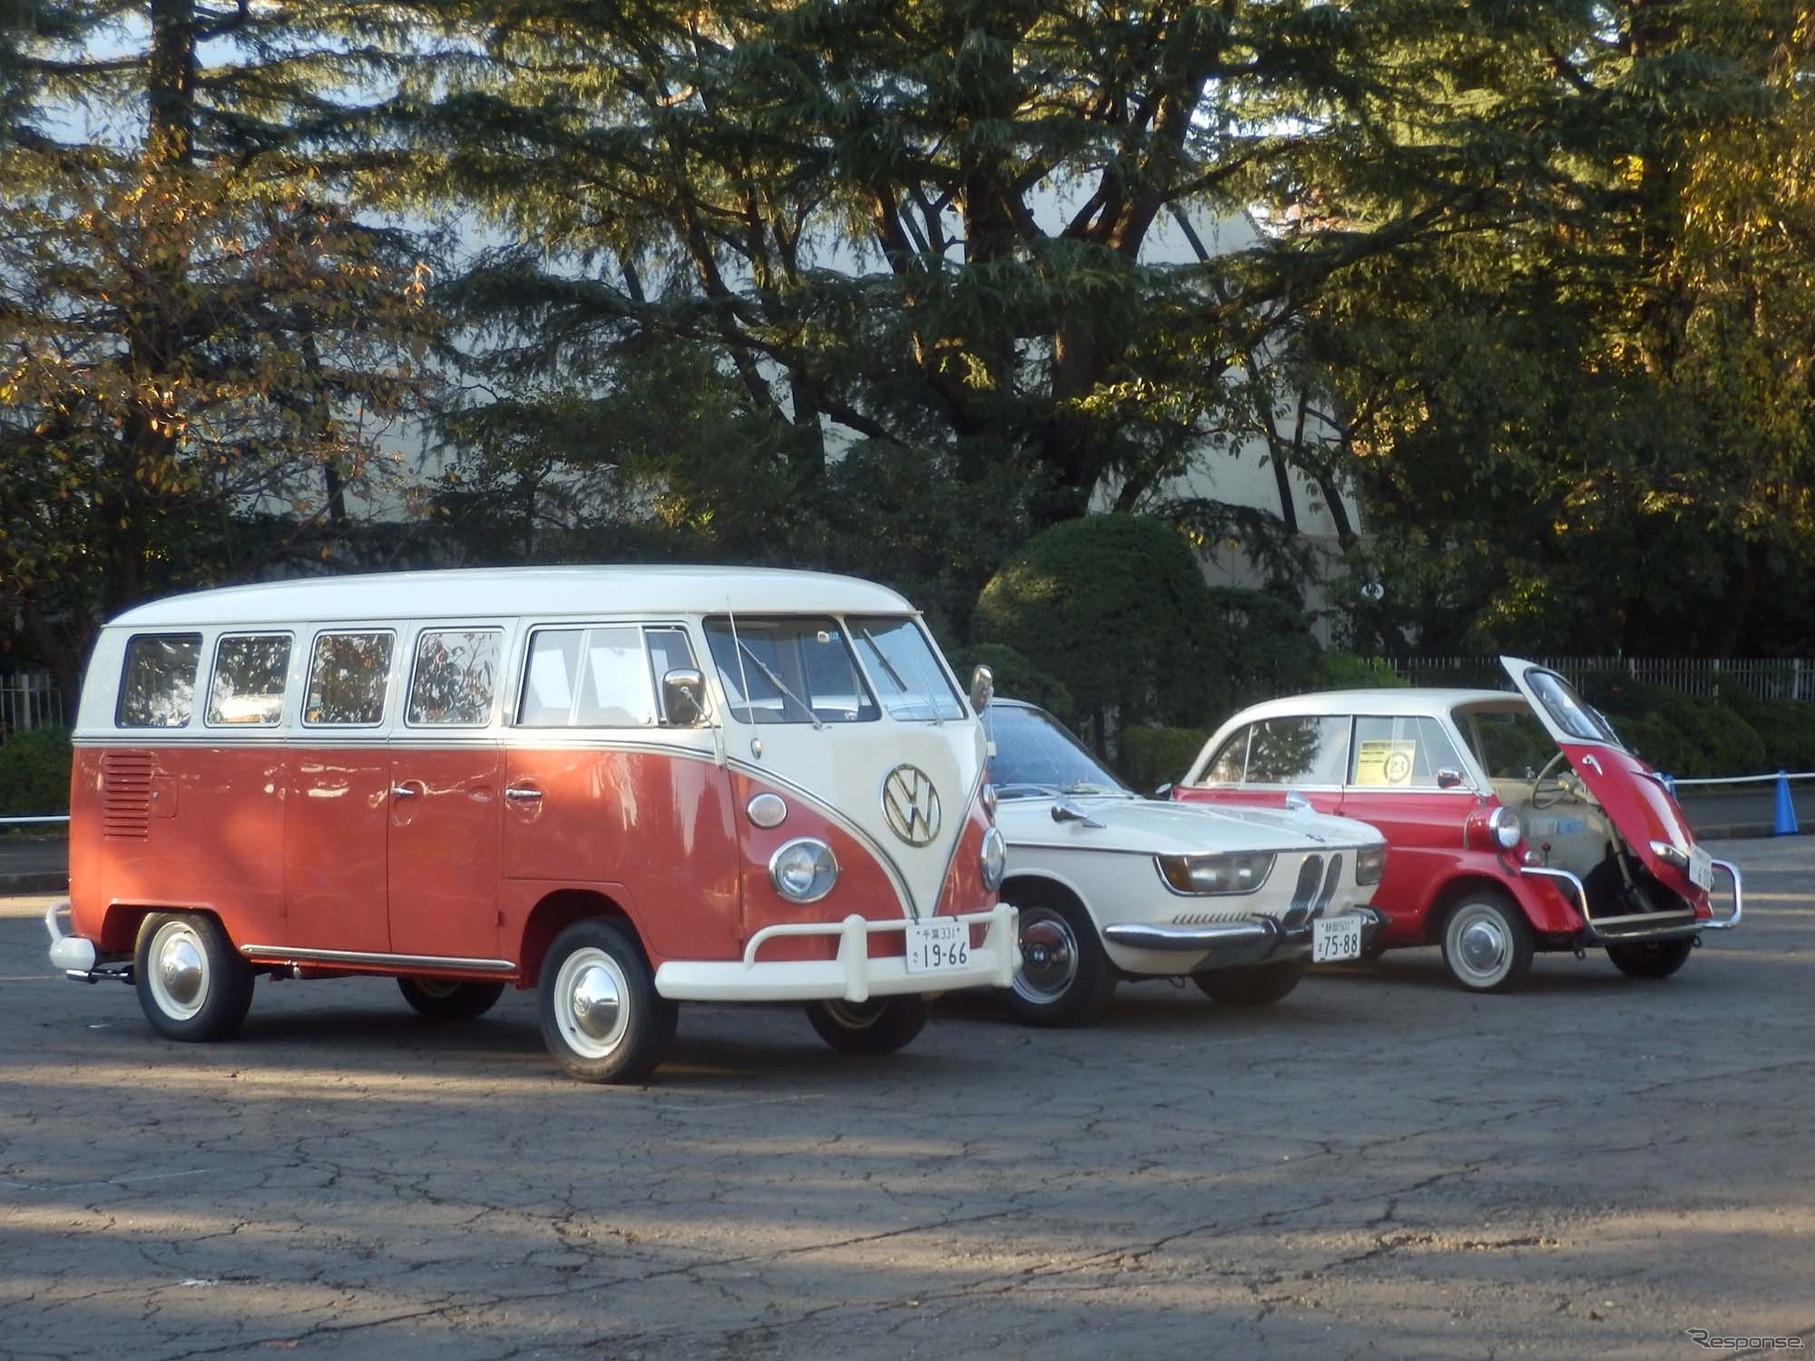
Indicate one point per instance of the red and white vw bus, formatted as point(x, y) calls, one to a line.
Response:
point(626, 787)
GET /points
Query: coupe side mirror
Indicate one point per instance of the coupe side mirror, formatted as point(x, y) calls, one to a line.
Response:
point(1449, 779)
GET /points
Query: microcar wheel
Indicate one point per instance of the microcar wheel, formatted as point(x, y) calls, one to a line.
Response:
point(1487, 943)
point(1650, 958)
point(1062, 976)
point(879, 1026)
point(1252, 985)
point(444, 999)
point(602, 1018)
point(192, 984)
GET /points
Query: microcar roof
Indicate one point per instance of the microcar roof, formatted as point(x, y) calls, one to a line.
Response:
point(474, 593)
point(1388, 700)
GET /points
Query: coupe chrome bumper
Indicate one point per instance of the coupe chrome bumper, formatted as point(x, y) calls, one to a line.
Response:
point(1262, 931)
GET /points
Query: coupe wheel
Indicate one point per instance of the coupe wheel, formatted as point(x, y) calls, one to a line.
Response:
point(443, 999)
point(602, 1018)
point(192, 984)
point(879, 1026)
point(1252, 985)
point(1487, 943)
point(1650, 958)
point(1062, 976)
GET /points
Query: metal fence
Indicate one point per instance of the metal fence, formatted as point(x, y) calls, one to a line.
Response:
point(1765, 677)
point(29, 699)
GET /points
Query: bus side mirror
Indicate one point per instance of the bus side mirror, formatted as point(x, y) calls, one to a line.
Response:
point(983, 688)
point(683, 697)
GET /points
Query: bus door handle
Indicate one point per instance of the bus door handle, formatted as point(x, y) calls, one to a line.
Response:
point(403, 791)
point(520, 794)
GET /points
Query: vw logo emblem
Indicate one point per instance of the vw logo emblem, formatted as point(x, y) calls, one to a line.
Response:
point(911, 805)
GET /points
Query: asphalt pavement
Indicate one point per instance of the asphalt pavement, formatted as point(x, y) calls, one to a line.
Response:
point(1381, 1165)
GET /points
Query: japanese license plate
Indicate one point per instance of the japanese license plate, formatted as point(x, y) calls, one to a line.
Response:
point(1335, 938)
point(938, 945)
point(1701, 868)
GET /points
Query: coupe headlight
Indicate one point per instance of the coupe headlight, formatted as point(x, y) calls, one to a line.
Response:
point(1504, 824)
point(994, 859)
point(1240, 872)
point(1370, 864)
point(804, 870)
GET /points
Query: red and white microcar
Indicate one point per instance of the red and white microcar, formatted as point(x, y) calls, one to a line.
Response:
point(626, 787)
point(1514, 822)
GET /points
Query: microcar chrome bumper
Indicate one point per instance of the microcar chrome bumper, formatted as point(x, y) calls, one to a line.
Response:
point(853, 975)
point(72, 954)
point(1643, 925)
point(1263, 931)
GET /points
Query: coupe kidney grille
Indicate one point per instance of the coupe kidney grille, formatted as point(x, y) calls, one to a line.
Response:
point(126, 794)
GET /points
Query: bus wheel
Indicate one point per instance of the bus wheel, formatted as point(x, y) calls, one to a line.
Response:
point(192, 984)
point(442, 999)
point(602, 1018)
point(879, 1026)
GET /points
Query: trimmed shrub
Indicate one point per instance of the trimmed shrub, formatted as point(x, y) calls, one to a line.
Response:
point(1677, 733)
point(1156, 756)
point(34, 772)
point(1116, 608)
point(1351, 671)
point(1016, 678)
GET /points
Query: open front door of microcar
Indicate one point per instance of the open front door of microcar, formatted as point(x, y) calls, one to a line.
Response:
point(1637, 801)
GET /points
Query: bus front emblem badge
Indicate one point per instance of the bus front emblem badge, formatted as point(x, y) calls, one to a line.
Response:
point(911, 805)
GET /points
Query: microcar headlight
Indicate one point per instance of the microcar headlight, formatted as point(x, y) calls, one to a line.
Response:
point(994, 859)
point(1370, 864)
point(1241, 872)
point(804, 870)
point(1504, 824)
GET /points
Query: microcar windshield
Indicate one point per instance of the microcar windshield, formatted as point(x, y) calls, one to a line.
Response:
point(1035, 757)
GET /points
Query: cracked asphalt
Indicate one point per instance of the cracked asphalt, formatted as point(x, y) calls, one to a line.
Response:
point(1379, 1166)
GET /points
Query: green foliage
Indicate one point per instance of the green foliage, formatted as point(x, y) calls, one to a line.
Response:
point(34, 772)
point(1337, 670)
point(1016, 678)
point(1677, 733)
point(1116, 608)
point(1785, 727)
point(1155, 756)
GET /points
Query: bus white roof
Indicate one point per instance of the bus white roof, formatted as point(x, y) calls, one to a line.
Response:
point(545, 592)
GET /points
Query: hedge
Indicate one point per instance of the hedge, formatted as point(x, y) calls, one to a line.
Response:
point(34, 772)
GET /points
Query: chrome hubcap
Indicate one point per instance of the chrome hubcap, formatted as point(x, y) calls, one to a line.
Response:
point(592, 1006)
point(596, 1002)
point(179, 971)
point(1049, 956)
point(1480, 945)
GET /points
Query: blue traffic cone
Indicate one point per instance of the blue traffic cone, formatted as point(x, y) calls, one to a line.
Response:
point(1784, 824)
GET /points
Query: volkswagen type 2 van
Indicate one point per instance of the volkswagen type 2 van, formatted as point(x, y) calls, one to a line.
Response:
point(623, 787)
point(1515, 822)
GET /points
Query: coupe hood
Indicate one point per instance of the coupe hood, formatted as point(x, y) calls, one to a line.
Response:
point(1176, 828)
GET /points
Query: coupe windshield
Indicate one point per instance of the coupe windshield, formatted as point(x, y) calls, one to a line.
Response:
point(1035, 757)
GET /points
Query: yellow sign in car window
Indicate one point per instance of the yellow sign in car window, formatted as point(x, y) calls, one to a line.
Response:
point(1384, 763)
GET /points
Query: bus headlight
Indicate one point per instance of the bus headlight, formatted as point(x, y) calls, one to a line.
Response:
point(994, 859)
point(804, 870)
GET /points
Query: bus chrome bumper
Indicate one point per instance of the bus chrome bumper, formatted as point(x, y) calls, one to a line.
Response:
point(74, 955)
point(853, 975)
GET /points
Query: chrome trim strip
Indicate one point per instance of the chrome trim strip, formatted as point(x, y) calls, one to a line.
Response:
point(1160, 936)
point(283, 954)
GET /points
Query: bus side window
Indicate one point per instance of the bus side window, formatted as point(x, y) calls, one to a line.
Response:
point(456, 671)
point(348, 677)
point(249, 675)
point(157, 684)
